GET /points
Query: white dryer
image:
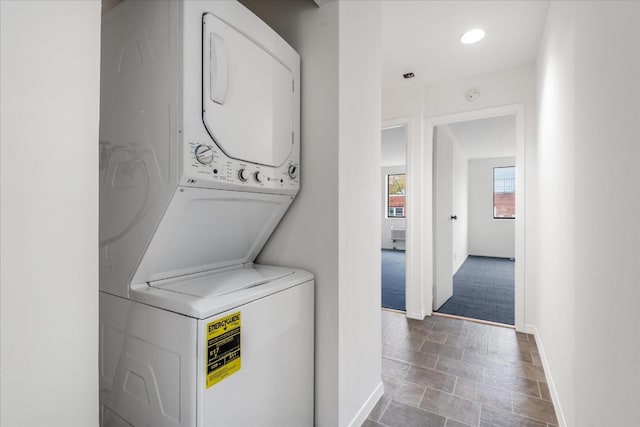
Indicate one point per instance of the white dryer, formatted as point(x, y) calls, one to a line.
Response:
point(199, 161)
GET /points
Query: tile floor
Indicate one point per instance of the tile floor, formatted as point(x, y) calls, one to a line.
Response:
point(447, 372)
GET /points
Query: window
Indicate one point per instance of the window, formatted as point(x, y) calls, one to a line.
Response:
point(504, 192)
point(396, 199)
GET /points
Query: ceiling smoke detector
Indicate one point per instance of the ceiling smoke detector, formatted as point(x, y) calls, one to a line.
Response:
point(472, 95)
point(408, 75)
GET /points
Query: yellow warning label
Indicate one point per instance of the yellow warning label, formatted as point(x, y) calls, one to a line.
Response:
point(223, 348)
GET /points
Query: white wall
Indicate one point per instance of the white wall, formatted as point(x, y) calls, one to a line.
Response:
point(49, 93)
point(460, 205)
point(488, 236)
point(332, 227)
point(387, 223)
point(588, 289)
point(359, 158)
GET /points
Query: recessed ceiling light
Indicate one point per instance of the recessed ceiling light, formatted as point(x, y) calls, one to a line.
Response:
point(472, 36)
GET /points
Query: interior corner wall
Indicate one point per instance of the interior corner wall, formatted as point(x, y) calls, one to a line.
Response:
point(360, 346)
point(49, 103)
point(488, 236)
point(588, 290)
point(387, 223)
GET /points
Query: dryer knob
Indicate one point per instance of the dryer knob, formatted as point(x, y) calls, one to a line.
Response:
point(292, 171)
point(204, 154)
point(258, 176)
point(243, 175)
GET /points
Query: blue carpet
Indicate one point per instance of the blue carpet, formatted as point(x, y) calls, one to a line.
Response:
point(483, 288)
point(393, 287)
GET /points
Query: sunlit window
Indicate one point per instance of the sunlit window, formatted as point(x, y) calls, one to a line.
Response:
point(396, 198)
point(504, 192)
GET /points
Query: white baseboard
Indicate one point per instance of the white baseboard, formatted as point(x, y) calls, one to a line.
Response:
point(416, 316)
point(529, 329)
point(368, 405)
point(562, 422)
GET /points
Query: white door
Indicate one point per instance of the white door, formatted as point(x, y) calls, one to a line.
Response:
point(443, 198)
point(248, 97)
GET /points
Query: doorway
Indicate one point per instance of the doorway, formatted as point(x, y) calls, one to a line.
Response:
point(474, 219)
point(427, 217)
point(394, 215)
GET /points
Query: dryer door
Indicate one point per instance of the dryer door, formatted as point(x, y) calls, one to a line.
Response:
point(248, 95)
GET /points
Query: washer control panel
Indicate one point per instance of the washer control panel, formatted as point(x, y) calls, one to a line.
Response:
point(206, 165)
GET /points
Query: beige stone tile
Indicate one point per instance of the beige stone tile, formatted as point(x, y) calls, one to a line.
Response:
point(535, 357)
point(430, 378)
point(371, 423)
point(408, 341)
point(465, 388)
point(545, 394)
point(484, 393)
point(496, 358)
point(442, 350)
point(447, 328)
point(402, 391)
point(493, 396)
point(495, 417)
point(413, 357)
point(513, 383)
point(428, 335)
point(531, 407)
point(426, 323)
point(399, 415)
point(398, 330)
point(521, 369)
point(453, 423)
point(460, 369)
point(479, 343)
point(394, 368)
point(450, 406)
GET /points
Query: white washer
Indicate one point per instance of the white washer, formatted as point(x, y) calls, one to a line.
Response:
point(199, 161)
point(156, 363)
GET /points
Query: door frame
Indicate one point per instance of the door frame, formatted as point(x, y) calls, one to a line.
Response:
point(413, 267)
point(422, 283)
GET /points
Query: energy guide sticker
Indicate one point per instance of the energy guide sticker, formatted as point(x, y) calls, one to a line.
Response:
point(223, 348)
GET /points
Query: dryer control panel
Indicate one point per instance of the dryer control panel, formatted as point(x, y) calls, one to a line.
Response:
point(205, 165)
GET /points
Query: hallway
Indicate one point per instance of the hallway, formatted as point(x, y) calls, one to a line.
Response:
point(448, 372)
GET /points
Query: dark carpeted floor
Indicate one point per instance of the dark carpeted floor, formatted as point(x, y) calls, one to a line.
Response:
point(483, 288)
point(393, 287)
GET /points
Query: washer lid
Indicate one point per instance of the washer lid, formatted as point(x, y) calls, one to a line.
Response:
point(248, 93)
point(211, 285)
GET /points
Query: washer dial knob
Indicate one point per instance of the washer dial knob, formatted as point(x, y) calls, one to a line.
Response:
point(292, 171)
point(204, 154)
point(258, 176)
point(243, 175)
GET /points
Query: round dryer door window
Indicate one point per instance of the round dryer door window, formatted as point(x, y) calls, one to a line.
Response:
point(248, 99)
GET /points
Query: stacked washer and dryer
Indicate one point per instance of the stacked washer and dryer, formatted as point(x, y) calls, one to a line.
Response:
point(199, 161)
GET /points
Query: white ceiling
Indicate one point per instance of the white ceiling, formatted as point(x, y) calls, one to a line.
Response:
point(422, 37)
point(486, 138)
point(394, 143)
